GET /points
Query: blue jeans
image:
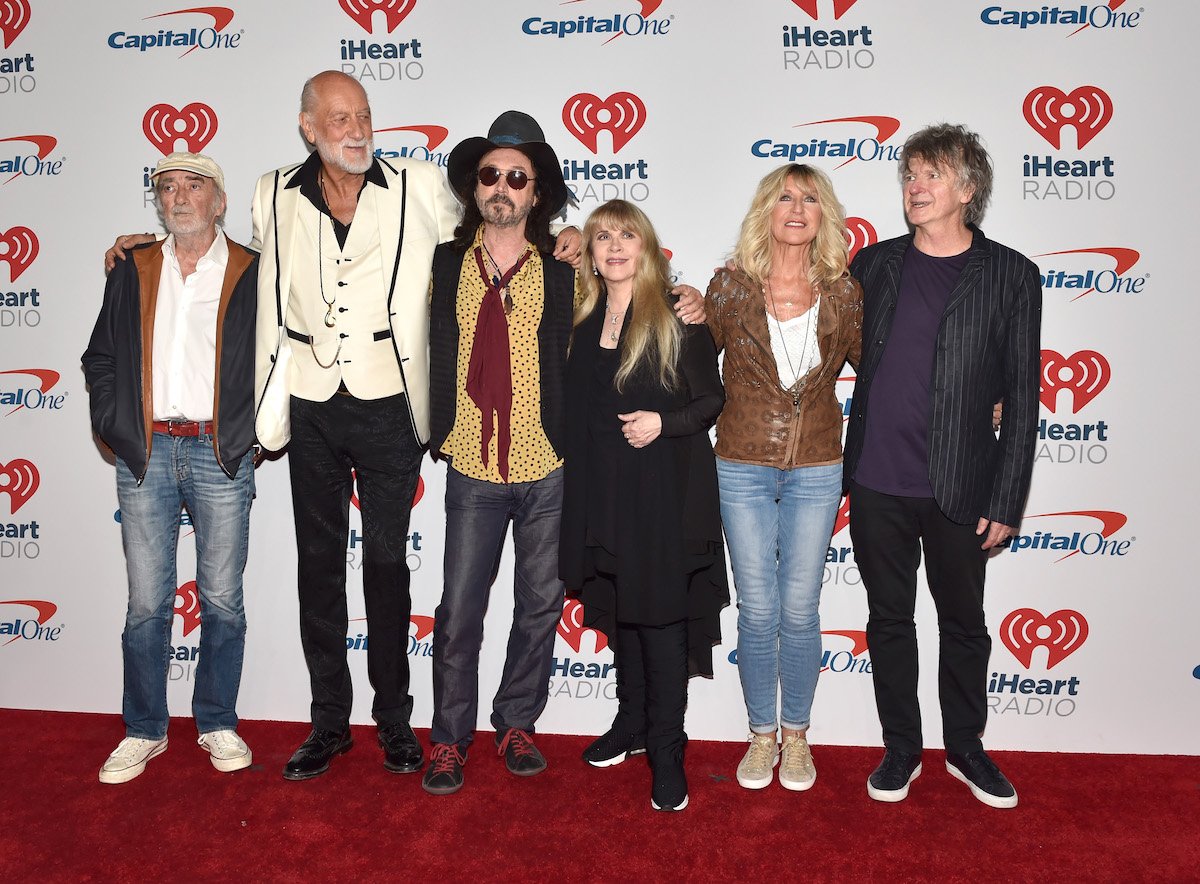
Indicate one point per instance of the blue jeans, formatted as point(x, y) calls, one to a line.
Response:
point(183, 471)
point(477, 517)
point(777, 525)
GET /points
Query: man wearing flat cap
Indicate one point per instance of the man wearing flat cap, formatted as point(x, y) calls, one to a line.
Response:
point(170, 367)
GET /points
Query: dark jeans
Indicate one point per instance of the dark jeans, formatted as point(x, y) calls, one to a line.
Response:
point(889, 534)
point(477, 517)
point(374, 438)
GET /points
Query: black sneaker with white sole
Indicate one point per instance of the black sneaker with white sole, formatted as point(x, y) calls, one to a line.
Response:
point(614, 747)
point(890, 781)
point(983, 778)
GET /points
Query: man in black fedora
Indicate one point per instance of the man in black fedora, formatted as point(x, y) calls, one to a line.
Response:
point(500, 322)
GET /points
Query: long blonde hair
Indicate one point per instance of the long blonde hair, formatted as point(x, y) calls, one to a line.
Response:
point(654, 336)
point(829, 253)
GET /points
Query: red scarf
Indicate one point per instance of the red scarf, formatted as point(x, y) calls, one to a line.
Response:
point(489, 376)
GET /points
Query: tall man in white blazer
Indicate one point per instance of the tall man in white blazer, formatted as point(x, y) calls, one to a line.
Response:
point(341, 377)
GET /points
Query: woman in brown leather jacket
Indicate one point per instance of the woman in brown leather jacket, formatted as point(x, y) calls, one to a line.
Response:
point(788, 316)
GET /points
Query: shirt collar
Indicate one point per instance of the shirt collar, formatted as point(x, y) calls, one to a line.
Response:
point(306, 176)
point(217, 254)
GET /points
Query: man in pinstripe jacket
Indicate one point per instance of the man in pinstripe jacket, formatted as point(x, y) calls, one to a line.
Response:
point(951, 324)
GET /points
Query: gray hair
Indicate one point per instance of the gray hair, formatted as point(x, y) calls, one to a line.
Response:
point(158, 206)
point(956, 148)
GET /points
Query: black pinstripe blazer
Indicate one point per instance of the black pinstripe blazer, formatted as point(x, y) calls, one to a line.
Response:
point(988, 348)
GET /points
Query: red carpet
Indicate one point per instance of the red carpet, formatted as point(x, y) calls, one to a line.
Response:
point(1081, 817)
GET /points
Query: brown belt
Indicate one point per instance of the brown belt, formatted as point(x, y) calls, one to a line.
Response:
point(183, 428)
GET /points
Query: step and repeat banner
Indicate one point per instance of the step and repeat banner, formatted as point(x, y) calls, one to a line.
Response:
point(679, 106)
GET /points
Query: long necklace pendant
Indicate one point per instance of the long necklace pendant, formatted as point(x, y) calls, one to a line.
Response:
point(612, 336)
point(330, 322)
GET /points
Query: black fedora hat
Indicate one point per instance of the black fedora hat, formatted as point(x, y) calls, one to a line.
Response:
point(521, 132)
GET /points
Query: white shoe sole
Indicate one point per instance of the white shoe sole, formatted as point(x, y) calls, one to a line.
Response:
point(747, 783)
point(986, 797)
point(116, 777)
point(896, 794)
point(681, 806)
point(228, 765)
point(797, 785)
point(624, 756)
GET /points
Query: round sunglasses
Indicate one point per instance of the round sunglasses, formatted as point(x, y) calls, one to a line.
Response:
point(515, 178)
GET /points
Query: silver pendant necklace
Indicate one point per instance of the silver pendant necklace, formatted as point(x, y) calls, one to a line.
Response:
point(783, 342)
point(614, 318)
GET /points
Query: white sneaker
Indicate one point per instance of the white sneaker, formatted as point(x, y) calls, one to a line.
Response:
point(129, 759)
point(226, 750)
point(796, 769)
point(758, 765)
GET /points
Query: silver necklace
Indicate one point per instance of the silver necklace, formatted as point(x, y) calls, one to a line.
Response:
point(330, 321)
point(783, 342)
point(614, 318)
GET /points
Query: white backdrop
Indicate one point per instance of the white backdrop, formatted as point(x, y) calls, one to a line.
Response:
point(1094, 616)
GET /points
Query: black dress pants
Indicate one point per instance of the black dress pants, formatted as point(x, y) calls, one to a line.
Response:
point(652, 678)
point(375, 439)
point(889, 534)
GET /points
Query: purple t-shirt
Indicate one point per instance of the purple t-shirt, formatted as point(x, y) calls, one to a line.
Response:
point(895, 455)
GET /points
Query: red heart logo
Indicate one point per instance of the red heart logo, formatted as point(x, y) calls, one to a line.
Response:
point(622, 115)
point(394, 11)
point(18, 247)
point(19, 479)
point(14, 16)
point(571, 628)
point(195, 123)
point(1084, 373)
point(859, 233)
point(1048, 109)
point(1061, 634)
point(839, 7)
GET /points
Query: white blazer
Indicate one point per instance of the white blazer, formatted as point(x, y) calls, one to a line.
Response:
point(415, 212)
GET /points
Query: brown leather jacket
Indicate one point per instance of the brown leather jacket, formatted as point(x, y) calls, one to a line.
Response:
point(763, 423)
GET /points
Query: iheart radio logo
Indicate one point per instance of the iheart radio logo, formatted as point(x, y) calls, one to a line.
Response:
point(843, 515)
point(187, 607)
point(18, 248)
point(362, 11)
point(354, 492)
point(434, 135)
point(45, 610)
point(1048, 109)
point(19, 479)
point(859, 233)
point(1061, 634)
point(571, 628)
point(1084, 374)
point(622, 115)
point(14, 16)
point(195, 123)
point(840, 7)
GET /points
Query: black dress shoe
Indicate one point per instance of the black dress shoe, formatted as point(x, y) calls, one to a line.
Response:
point(402, 752)
point(313, 756)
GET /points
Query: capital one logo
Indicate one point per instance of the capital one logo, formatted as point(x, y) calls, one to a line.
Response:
point(1084, 374)
point(434, 135)
point(1061, 634)
point(18, 248)
point(362, 11)
point(195, 124)
point(46, 378)
point(187, 607)
point(1087, 108)
point(19, 479)
point(572, 630)
point(859, 233)
point(622, 115)
point(1115, 280)
point(42, 144)
point(840, 7)
point(43, 610)
point(14, 16)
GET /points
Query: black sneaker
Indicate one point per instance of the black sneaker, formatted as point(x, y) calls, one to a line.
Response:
point(521, 757)
point(891, 779)
point(444, 775)
point(984, 779)
point(614, 747)
point(670, 789)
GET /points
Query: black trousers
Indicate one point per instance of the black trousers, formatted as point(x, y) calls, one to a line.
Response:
point(889, 534)
point(375, 439)
point(652, 677)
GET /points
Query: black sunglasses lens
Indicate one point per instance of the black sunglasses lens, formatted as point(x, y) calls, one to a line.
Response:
point(489, 175)
point(517, 180)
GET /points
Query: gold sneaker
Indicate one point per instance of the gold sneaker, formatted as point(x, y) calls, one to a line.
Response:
point(758, 765)
point(796, 769)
